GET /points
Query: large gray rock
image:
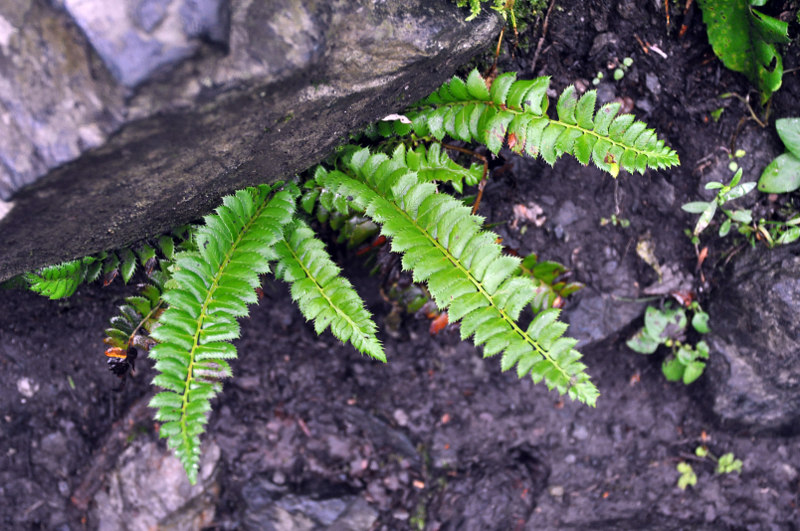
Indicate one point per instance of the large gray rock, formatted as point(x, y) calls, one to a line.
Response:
point(754, 370)
point(119, 120)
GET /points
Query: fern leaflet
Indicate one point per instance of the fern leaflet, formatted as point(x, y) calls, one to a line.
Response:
point(59, 281)
point(464, 268)
point(514, 113)
point(214, 285)
point(321, 293)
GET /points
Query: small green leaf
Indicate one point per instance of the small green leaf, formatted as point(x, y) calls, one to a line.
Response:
point(696, 207)
point(693, 371)
point(789, 131)
point(128, 266)
point(781, 176)
point(725, 228)
point(476, 86)
point(741, 216)
point(700, 322)
point(672, 369)
point(687, 476)
point(705, 218)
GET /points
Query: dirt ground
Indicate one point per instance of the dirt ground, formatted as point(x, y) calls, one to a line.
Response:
point(439, 438)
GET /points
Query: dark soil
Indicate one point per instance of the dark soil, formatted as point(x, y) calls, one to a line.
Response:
point(439, 438)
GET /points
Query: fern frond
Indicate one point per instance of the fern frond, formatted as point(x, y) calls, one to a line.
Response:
point(545, 276)
point(138, 315)
point(433, 164)
point(464, 268)
point(514, 113)
point(59, 281)
point(321, 293)
point(213, 287)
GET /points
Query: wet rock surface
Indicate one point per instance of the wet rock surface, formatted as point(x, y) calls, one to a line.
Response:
point(120, 120)
point(755, 380)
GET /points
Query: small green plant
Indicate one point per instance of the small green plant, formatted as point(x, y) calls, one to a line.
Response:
point(725, 194)
point(726, 464)
point(745, 38)
point(615, 221)
point(782, 175)
point(667, 326)
point(773, 233)
point(687, 478)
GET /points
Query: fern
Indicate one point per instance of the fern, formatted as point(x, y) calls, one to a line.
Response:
point(433, 164)
point(59, 281)
point(550, 291)
point(215, 268)
point(513, 113)
point(464, 268)
point(138, 315)
point(214, 285)
point(322, 295)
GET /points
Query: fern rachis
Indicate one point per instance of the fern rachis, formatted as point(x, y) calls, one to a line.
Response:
point(214, 287)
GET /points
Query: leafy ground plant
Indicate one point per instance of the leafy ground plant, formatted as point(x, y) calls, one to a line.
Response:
point(667, 326)
point(745, 38)
point(398, 186)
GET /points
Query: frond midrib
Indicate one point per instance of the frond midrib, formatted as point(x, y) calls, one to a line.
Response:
point(475, 282)
point(522, 112)
point(209, 299)
point(321, 290)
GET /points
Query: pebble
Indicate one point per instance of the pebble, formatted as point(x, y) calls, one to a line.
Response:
point(27, 387)
point(580, 432)
point(652, 83)
point(556, 491)
point(401, 417)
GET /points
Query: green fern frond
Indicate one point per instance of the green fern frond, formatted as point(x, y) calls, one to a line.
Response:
point(139, 314)
point(321, 293)
point(213, 287)
point(59, 281)
point(432, 164)
point(464, 268)
point(514, 113)
point(545, 275)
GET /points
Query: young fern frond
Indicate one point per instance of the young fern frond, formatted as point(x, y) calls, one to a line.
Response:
point(514, 113)
point(213, 287)
point(464, 268)
point(321, 293)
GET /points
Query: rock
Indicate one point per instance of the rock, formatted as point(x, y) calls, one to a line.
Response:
point(499, 492)
point(652, 83)
point(270, 506)
point(753, 375)
point(599, 315)
point(149, 490)
point(123, 119)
